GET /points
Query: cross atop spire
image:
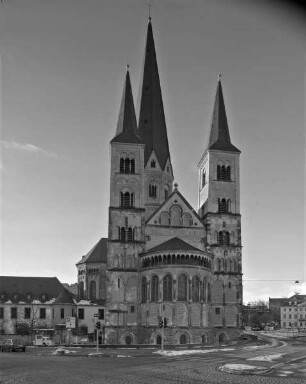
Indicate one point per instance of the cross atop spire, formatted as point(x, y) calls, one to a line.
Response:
point(219, 138)
point(152, 124)
point(126, 131)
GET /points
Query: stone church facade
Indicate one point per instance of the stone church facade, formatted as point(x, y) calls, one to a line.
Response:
point(162, 259)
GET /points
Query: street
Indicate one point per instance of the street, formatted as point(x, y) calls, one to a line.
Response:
point(144, 366)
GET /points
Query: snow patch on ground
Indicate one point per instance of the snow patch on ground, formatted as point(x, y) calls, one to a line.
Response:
point(240, 367)
point(191, 352)
point(62, 351)
point(267, 357)
point(257, 346)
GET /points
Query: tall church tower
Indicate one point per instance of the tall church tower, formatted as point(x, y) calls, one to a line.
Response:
point(153, 131)
point(126, 212)
point(219, 208)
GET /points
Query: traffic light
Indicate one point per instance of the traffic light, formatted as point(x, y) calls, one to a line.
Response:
point(98, 324)
point(161, 323)
point(165, 322)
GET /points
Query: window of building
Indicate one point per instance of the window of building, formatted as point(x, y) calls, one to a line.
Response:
point(143, 290)
point(153, 164)
point(203, 179)
point(101, 313)
point(27, 313)
point(130, 234)
point(81, 290)
point(73, 312)
point(217, 311)
point(62, 313)
point(167, 288)
point(1, 312)
point(182, 288)
point(223, 238)
point(42, 313)
point(223, 173)
point(152, 190)
point(195, 289)
point(81, 313)
point(127, 199)
point(132, 308)
point(222, 205)
point(92, 290)
point(14, 313)
point(154, 288)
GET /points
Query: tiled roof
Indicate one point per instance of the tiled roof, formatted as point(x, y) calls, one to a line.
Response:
point(174, 244)
point(219, 133)
point(33, 286)
point(127, 126)
point(98, 254)
point(152, 123)
point(65, 297)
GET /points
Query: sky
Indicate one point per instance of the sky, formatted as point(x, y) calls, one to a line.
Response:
point(62, 69)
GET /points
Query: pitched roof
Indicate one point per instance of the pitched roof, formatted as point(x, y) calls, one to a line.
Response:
point(219, 138)
point(35, 286)
point(98, 254)
point(151, 124)
point(174, 244)
point(127, 126)
point(65, 297)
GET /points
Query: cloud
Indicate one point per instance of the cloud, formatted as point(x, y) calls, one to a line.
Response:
point(28, 148)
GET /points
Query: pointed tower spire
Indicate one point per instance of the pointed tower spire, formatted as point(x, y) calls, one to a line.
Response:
point(219, 138)
point(152, 124)
point(126, 131)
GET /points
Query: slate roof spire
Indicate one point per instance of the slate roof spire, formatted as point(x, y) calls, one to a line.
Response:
point(126, 131)
point(219, 138)
point(152, 125)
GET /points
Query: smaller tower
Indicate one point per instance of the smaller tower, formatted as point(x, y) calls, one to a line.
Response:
point(219, 208)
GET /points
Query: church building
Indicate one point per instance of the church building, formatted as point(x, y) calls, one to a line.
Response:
point(163, 262)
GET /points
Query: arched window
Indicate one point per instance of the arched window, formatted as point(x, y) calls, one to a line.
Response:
point(187, 220)
point(154, 288)
point(127, 165)
point(152, 190)
point(132, 165)
point(167, 288)
point(203, 179)
point(143, 290)
point(223, 172)
point(164, 218)
point(121, 165)
point(130, 234)
point(122, 234)
point(226, 238)
point(92, 292)
point(182, 288)
point(153, 164)
point(219, 265)
point(176, 215)
point(218, 172)
point(183, 339)
point(228, 173)
point(195, 289)
point(222, 205)
point(220, 238)
point(128, 340)
point(126, 199)
point(228, 205)
point(81, 290)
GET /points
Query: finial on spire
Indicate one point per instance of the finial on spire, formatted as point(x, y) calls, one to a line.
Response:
point(219, 76)
point(149, 11)
point(127, 67)
point(175, 186)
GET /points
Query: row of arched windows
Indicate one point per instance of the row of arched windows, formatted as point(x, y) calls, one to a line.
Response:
point(176, 217)
point(194, 290)
point(152, 190)
point(126, 199)
point(224, 205)
point(174, 259)
point(92, 290)
point(228, 265)
point(126, 234)
point(223, 173)
point(127, 165)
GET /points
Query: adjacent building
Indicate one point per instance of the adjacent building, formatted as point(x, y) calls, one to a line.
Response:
point(162, 258)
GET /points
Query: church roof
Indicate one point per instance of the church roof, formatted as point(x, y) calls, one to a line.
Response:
point(98, 254)
point(126, 131)
point(219, 138)
point(152, 125)
point(33, 286)
point(174, 244)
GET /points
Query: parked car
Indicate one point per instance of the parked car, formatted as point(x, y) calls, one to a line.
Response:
point(11, 346)
point(43, 341)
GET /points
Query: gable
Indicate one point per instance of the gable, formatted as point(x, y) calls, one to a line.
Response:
point(175, 212)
